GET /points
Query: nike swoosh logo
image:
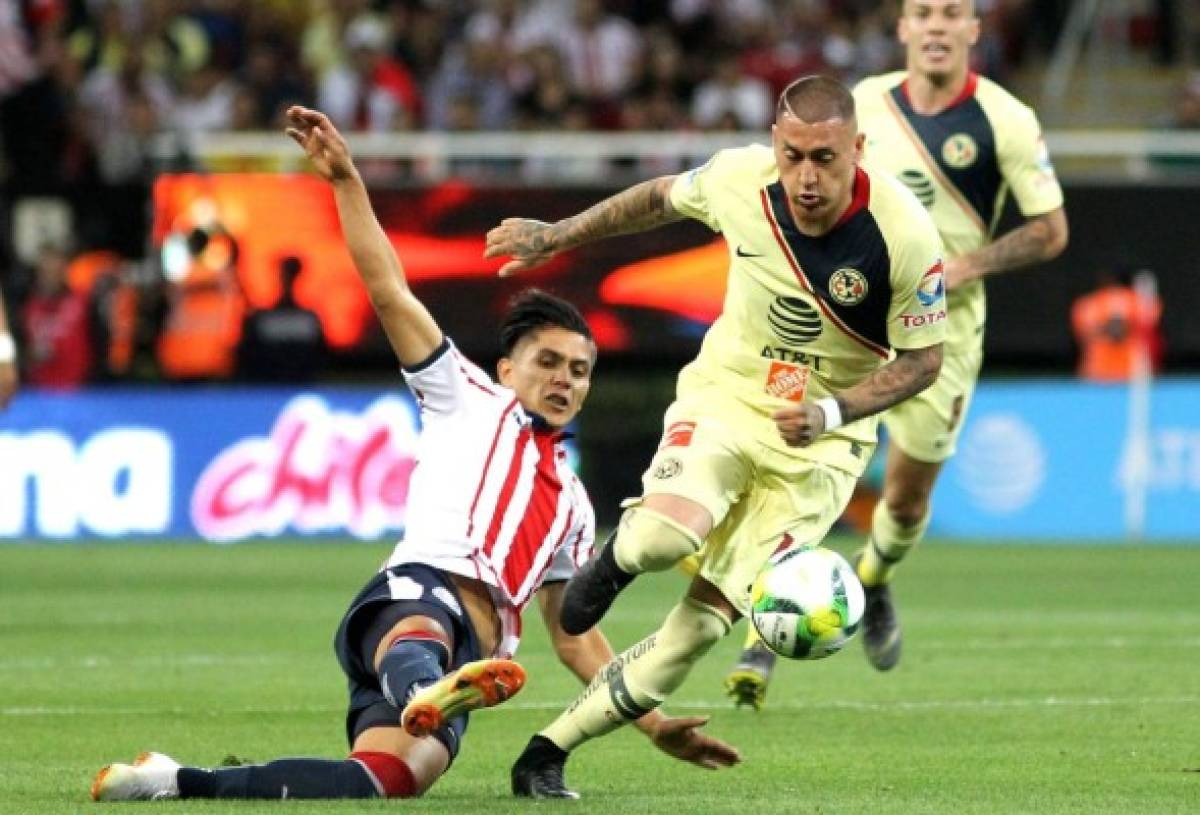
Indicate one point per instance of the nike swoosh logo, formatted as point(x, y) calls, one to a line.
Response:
point(743, 254)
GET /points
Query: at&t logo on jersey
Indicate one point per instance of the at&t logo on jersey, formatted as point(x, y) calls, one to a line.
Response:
point(794, 320)
point(920, 185)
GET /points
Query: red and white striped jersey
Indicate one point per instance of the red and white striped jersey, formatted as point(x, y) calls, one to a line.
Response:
point(493, 496)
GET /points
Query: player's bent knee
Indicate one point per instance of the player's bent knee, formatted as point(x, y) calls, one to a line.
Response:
point(390, 774)
point(689, 631)
point(696, 626)
point(909, 512)
point(649, 541)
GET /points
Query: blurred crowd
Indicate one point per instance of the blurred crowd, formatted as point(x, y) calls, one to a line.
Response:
point(88, 86)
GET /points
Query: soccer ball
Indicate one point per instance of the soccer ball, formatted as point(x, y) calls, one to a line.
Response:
point(806, 603)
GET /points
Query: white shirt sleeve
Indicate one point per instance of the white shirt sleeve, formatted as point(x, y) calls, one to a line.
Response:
point(444, 382)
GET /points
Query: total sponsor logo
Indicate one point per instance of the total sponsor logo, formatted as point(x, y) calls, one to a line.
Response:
point(318, 470)
point(932, 286)
point(911, 322)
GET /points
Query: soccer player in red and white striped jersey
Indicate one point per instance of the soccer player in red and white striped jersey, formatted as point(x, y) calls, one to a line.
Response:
point(496, 516)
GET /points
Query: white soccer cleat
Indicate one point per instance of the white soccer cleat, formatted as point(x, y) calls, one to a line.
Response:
point(151, 777)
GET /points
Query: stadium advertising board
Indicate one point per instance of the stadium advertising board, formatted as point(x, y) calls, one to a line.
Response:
point(218, 464)
point(1035, 461)
point(1056, 460)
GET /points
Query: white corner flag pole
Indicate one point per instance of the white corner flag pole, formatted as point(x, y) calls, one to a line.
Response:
point(1137, 438)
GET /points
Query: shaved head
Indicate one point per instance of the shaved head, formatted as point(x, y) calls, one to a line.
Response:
point(814, 99)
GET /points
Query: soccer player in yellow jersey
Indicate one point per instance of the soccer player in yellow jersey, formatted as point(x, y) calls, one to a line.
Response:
point(961, 144)
point(834, 312)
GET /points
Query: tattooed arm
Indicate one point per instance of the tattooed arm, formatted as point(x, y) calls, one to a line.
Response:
point(911, 372)
point(1041, 238)
point(531, 243)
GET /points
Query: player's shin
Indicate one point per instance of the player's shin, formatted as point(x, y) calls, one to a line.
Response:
point(640, 679)
point(890, 542)
point(413, 660)
point(301, 778)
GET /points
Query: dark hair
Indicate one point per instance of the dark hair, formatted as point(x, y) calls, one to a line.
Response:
point(816, 98)
point(290, 267)
point(533, 310)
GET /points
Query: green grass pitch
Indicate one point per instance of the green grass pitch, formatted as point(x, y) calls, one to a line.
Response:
point(1036, 679)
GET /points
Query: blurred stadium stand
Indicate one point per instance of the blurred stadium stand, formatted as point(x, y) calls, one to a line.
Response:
point(470, 110)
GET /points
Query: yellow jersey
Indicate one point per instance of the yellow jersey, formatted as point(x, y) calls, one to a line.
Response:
point(805, 317)
point(961, 164)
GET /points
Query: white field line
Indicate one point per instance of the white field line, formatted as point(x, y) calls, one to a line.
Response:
point(702, 705)
point(201, 660)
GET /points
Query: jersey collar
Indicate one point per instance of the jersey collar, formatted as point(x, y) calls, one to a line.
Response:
point(968, 91)
point(543, 428)
point(859, 198)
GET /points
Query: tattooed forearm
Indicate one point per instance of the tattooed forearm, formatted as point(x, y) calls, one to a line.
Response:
point(1039, 239)
point(909, 373)
point(641, 207)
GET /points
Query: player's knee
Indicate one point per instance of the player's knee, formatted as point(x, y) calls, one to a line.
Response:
point(649, 541)
point(693, 627)
point(689, 631)
point(388, 774)
point(908, 509)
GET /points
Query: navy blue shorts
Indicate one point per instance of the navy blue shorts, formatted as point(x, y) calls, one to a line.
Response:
point(409, 590)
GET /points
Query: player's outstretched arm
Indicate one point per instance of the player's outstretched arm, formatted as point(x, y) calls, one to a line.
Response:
point(587, 653)
point(1039, 239)
point(912, 371)
point(8, 360)
point(410, 328)
point(531, 243)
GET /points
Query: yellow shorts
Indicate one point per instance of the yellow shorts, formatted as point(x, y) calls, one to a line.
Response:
point(926, 427)
point(754, 493)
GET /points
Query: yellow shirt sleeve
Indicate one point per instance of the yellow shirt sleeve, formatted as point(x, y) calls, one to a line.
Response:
point(1025, 164)
point(917, 317)
point(693, 192)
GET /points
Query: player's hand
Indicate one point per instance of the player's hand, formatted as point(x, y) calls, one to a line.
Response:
point(528, 242)
point(8, 383)
point(324, 145)
point(800, 425)
point(681, 737)
point(958, 272)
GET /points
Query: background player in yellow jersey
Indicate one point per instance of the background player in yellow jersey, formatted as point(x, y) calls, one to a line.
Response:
point(833, 313)
point(961, 144)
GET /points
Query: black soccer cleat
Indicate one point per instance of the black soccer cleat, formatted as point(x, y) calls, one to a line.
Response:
point(591, 591)
point(881, 628)
point(538, 772)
